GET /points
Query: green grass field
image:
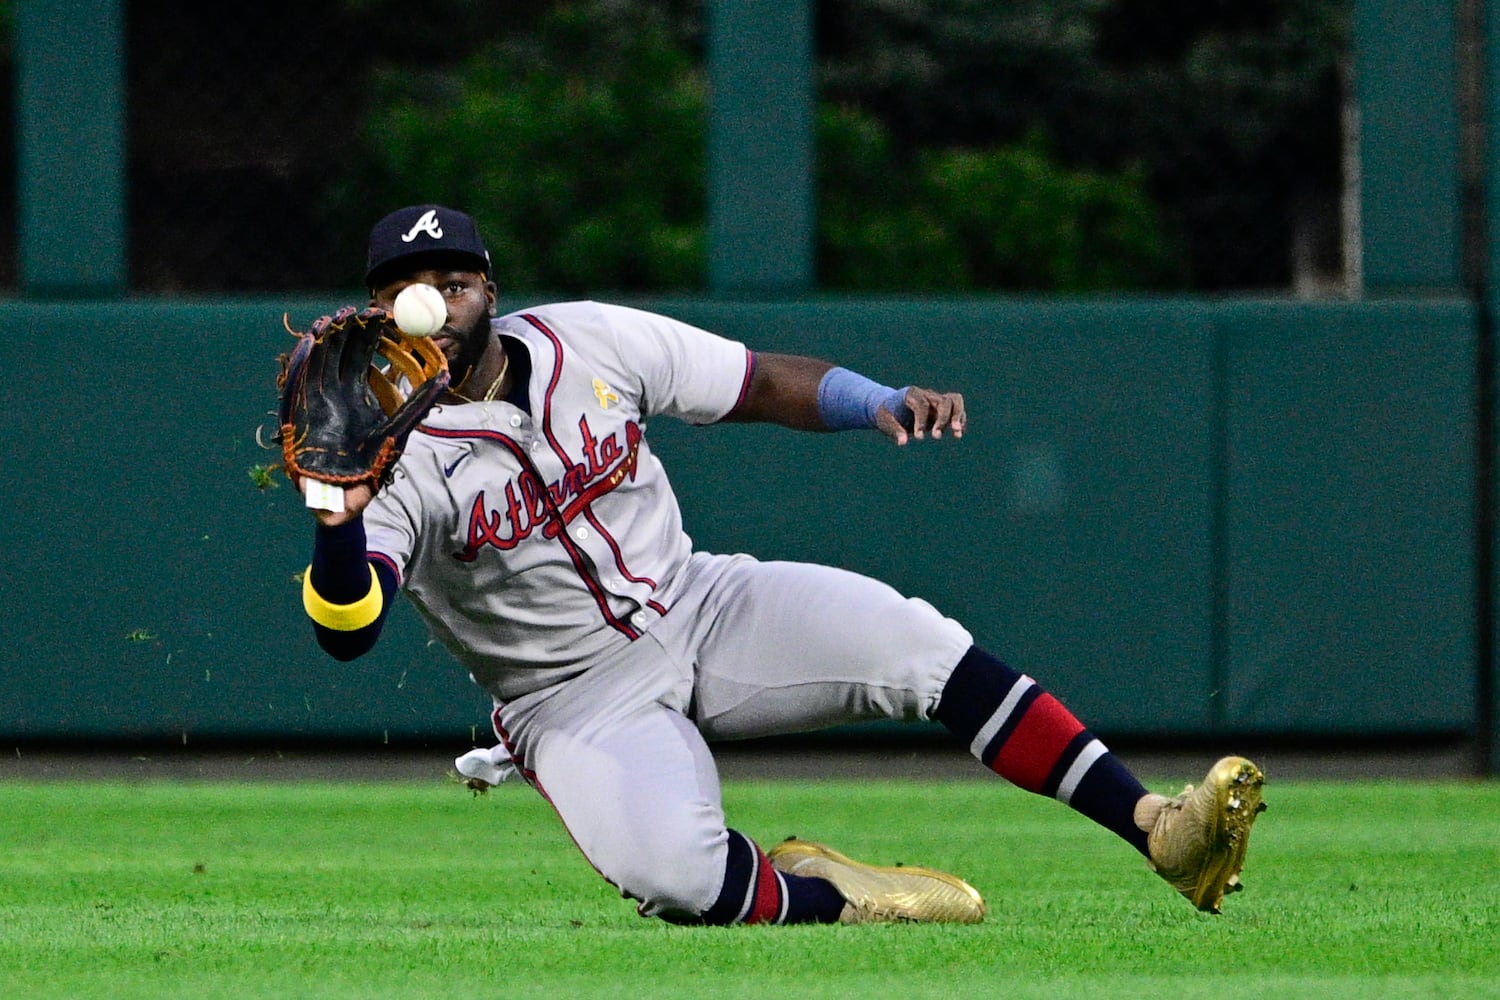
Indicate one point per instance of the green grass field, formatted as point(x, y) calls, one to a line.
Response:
point(311, 890)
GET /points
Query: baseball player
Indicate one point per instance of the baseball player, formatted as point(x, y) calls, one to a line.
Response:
point(534, 530)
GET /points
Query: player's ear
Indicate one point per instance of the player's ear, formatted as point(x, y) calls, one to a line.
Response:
point(491, 296)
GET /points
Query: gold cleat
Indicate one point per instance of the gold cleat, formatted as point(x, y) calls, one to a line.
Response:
point(1198, 839)
point(875, 895)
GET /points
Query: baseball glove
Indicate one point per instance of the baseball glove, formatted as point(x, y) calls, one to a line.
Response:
point(342, 419)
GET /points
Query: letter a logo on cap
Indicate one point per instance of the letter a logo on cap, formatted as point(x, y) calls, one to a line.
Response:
point(428, 224)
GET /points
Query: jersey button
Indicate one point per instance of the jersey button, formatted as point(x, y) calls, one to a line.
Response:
point(580, 533)
point(639, 619)
point(515, 420)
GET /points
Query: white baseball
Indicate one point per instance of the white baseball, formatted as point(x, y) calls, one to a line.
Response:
point(419, 310)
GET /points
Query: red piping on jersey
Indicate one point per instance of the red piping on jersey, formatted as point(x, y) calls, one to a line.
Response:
point(606, 483)
point(619, 556)
point(580, 563)
point(388, 561)
point(745, 386)
point(510, 746)
point(581, 504)
point(557, 363)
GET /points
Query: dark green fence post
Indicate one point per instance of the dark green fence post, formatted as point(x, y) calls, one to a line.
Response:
point(1485, 79)
point(760, 147)
point(70, 133)
point(1407, 89)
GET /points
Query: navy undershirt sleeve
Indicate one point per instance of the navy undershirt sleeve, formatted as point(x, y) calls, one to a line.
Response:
point(341, 575)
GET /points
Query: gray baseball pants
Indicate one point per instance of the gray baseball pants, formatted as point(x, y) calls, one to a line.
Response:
point(747, 649)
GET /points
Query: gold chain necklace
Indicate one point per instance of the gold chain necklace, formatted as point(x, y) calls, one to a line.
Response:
point(494, 388)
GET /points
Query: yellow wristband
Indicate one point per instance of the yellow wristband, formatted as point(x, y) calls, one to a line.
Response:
point(342, 617)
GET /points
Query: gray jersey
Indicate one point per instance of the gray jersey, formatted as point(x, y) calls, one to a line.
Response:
point(471, 521)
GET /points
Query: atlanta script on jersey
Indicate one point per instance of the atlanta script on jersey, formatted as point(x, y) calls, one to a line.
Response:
point(532, 539)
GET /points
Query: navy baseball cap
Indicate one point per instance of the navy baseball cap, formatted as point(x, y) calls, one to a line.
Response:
point(422, 230)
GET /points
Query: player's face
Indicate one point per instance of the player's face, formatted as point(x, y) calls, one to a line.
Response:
point(471, 303)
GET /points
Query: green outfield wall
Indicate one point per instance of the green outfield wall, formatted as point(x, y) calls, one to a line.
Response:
point(1185, 517)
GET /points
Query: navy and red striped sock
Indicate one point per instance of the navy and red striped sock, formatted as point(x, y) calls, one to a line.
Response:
point(1026, 736)
point(755, 893)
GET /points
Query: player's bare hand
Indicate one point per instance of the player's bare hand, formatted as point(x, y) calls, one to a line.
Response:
point(932, 412)
point(356, 499)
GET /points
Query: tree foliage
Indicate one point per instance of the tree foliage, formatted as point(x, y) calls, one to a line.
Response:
point(577, 148)
point(1032, 144)
point(580, 149)
point(966, 219)
point(1227, 111)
